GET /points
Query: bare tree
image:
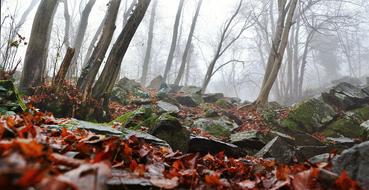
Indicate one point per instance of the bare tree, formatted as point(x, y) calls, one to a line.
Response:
point(67, 24)
point(285, 15)
point(81, 31)
point(36, 55)
point(150, 38)
point(225, 42)
point(107, 79)
point(188, 45)
point(91, 69)
point(168, 65)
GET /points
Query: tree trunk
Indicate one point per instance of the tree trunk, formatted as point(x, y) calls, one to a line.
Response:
point(150, 38)
point(188, 45)
point(272, 73)
point(67, 24)
point(90, 71)
point(81, 31)
point(64, 68)
point(36, 54)
point(188, 66)
point(174, 41)
point(106, 81)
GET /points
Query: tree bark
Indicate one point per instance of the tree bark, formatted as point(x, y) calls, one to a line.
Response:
point(277, 57)
point(106, 81)
point(150, 38)
point(64, 67)
point(36, 54)
point(81, 31)
point(90, 71)
point(188, 45)
point(188, 66)
point(67, 24)
point(174, 41)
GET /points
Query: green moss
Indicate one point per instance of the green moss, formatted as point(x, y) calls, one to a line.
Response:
point(269, 116)
point(124, 118)
point(223, 103)
point(10, 100)
point(217, 131)
point(362, 113)
point(289, 124)
point(345, 127)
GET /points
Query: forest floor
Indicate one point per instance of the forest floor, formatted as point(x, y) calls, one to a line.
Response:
point(40, 151)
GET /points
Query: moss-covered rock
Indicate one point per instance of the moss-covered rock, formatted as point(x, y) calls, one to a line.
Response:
point(10, 101)
point(346, 127)
point(219, 127)
point(142, 117)
point(223, 103)
point(168, 128)
point(311, 115)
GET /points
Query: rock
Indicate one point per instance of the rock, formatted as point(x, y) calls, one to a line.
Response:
point(311, 115)
point(218, 127)
point(211, 113)
point(355, 162)
point(366, 89)
point(211, 98)
point(365, 125)
point(106, 129)
point(301, 138)
point(206, 145)
point(10, 101)
point(190, 90)
point(170, 129)
point(141, 117)
point(126, 87)
point(233, 117)
point(345, 96)
point(224, 103)
point(189, 100)
point(305, 152)
point(167, 107)
point(250, 140)
point(156, 83)
point(122, 179)
point(340, 143)
point(235, 100)
point(278, 149)
point(320, 158)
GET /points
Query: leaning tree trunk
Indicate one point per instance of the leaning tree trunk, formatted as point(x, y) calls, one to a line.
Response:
point(145, 67)
point(67, 24)
point(110, 72)
point(174, 41)
point(90, 71)
point(81, 31)
point(188, 45)
point(36, 54)
point(272, 73)
point(64, 68)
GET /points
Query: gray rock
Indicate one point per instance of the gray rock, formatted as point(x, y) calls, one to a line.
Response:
point(167, 107)
point(319, 158)
point(345, 96)
point(187, 100)
point(305, 152)
point(211, 98)
point(278, 149)
point(365, 125)
point(156, 83)
point(218, 126)
point(190, 90)
point(355, 162)
point(249, 140)
point(366, 90)
point(170, 130)
point(206, 145)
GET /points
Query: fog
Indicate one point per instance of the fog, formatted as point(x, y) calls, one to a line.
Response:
point(329, 37)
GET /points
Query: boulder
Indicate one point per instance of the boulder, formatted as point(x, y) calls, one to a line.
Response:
point(345, 96)
point(190, 90)
point(189, 100)
point(278, 149)
point(366, 90)
point(250, 140)
point(141, 117)
point(126, 87)
point(299, 138)
point(224, 103)
point(211, 98)
point(355, 162)
point(167, 107)
point(305, 152)
point(320, 158)
point(156, 83)
point(220, 127)
point(205, 145)
point(340, 143)
point(10, 101)
point(169, 129)
point(310, 116)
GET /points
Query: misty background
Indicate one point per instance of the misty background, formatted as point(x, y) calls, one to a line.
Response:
point(338, 49)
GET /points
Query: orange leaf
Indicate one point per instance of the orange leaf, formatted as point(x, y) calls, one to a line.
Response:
point(212, 179)
point(30, 148)
point(282, 172)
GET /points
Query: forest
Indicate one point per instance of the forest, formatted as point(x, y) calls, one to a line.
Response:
point(184, 94)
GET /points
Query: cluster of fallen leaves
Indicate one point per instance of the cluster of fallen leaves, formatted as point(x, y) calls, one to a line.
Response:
point(35, 153)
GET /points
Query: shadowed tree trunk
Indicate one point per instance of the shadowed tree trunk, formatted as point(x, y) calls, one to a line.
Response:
point(64, 67)
point(174, 41)
point(36, 54)
point(188, 45)
point(145, 66)
point(81, 31)
point(106, 81)
point(278, 48)
point(90, 71)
